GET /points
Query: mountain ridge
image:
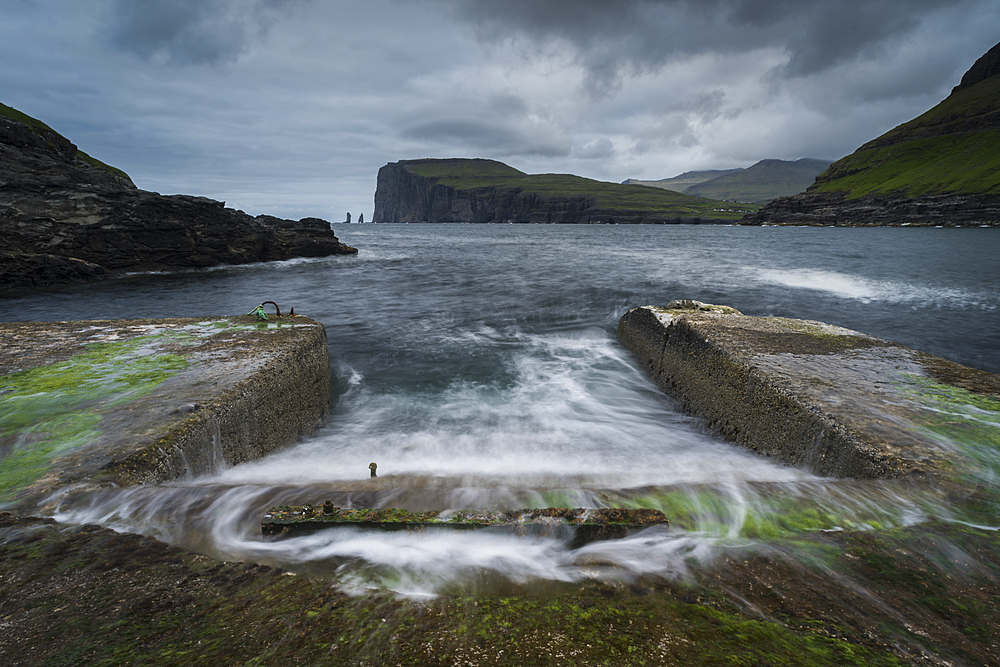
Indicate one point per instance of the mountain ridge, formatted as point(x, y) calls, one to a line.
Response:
point(759, 183)
point(940, 168)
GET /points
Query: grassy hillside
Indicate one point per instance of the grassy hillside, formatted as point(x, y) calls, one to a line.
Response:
point(471, 174)
point(764, 181)
point(954, 147)
point(43, 130)
point(685, 180)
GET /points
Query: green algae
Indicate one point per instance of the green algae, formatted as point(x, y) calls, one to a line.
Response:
point(47, 411)
point(963, 419)
point(286, 518)
point(107, 598)
point(764, 514)
point(29, 459)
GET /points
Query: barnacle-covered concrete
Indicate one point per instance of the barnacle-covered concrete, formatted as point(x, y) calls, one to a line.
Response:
point(123, 402)
point(838, 402)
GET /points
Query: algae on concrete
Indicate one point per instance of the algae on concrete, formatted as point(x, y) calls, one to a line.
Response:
point(122, 402)
point(806, 393)
point(890, 598)
point(47, 411)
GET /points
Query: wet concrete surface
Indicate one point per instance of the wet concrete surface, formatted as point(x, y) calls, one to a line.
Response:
point(92, 404)
point(838, 402)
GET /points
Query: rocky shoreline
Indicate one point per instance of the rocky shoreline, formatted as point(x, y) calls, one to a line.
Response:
point(822, 209)
point(66, 219)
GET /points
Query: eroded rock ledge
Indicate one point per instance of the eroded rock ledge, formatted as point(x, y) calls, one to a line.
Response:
point(822, 209)
point(835, 401)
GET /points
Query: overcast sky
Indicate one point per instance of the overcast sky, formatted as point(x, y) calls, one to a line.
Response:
point(289, 107)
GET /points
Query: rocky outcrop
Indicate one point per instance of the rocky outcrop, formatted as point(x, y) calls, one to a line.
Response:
point(65, 218)
point(836, 210)
point(402, 195)
point(988, 65)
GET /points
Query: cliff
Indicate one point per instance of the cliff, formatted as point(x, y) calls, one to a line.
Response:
point(476, 190)
point(66, 217)
point(941, 168)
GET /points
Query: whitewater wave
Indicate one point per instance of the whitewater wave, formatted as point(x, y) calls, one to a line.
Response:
point(868, 290)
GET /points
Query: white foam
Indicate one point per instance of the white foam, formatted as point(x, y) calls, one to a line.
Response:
point(577, 413)
point(867, 290)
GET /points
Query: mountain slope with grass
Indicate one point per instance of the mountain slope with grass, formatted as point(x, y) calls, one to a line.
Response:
point(763, 182)
point(941, 168)
point(477, 190)
point(685, 180)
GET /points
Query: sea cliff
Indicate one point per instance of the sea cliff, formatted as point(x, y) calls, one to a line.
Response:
point(477, 190)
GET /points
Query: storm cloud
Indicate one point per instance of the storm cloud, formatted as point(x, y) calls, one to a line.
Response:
point(189, 32)
point(290, 107)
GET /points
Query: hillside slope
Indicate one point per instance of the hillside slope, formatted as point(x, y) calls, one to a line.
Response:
point(941, 168)
point(685, 180)
point(763, 182)
point(66, 217)
point(477, 190)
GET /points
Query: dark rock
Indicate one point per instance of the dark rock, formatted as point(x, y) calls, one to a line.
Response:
point(66, 220)
point(42, 270)
point(836, 210)
point(988, 65)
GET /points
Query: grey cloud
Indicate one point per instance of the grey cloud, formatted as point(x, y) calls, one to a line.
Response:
point(615, 39)
point(600, 149)
point(192, 32)
point(494, 137)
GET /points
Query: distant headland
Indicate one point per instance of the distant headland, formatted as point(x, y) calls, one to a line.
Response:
point(478, 190)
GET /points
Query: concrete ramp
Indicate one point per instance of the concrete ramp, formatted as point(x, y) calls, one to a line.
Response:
point(93, 404)
point(837, 402)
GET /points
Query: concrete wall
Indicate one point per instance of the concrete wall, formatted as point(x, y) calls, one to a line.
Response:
point(831, 400)
point(98, 403)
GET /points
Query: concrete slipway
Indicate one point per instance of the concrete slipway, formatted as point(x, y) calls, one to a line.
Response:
point(91, 404)
point(101, 403)
point(838, 402)
point(104, 403)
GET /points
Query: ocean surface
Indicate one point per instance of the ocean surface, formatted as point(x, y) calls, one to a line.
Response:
point(478, 366)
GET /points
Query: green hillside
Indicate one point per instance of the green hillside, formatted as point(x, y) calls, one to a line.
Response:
point(463, 174)
point(953, 148)
point(685, 180)
point(51, 136)
point(764, 181)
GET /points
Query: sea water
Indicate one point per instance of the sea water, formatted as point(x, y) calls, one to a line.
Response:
point(478, 366)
